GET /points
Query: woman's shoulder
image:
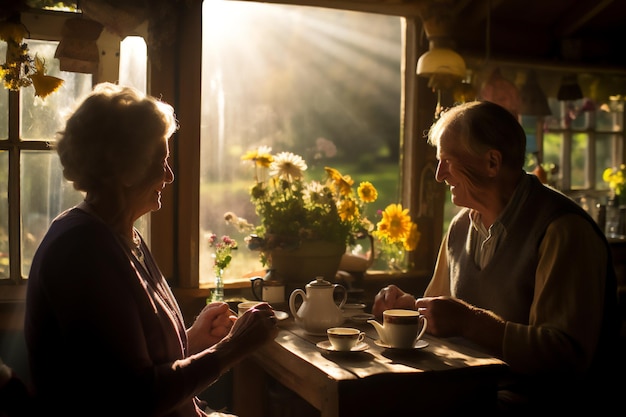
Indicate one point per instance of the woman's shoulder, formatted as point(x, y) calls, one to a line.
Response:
point(74, 232)
point(75, 220)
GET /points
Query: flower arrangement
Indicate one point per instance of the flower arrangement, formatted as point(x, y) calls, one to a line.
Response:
point(20, 68)
point(616, 178)
point(396, 234)
point(222, 257)
point(292, 209)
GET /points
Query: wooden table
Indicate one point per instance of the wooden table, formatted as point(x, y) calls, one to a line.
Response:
point(443, 378)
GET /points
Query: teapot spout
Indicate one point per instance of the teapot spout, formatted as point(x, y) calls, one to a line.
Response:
point(379, 329)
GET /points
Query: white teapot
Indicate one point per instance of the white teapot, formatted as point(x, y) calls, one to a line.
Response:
point(318, 310)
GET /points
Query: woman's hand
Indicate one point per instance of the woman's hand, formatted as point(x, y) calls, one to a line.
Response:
point(254, 328)
point(212, 325)
point(392, 297)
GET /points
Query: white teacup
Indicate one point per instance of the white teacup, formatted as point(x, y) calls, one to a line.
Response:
point(344, 338)
point(401, 329)
point(245, 306)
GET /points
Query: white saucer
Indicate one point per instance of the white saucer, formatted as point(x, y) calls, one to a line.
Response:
point(361, 317)
point(280, 315)
point(420, 344)
point(325, 345)
point(353, 307)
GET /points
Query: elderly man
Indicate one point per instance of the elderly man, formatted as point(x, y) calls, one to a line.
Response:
point(523, 271)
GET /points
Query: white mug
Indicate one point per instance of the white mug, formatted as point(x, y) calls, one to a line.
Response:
point(245, 306)
point(401, 328)
point(270, 291)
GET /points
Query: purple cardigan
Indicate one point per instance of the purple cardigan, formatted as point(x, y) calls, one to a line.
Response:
point(103, 333)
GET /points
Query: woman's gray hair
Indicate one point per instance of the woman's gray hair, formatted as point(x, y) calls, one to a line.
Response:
point(112, 136)
point(479, 126)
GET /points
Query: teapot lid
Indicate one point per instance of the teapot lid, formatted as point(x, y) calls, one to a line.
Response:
point(319, 282)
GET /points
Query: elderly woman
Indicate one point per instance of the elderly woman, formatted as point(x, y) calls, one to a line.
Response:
point(105, 335)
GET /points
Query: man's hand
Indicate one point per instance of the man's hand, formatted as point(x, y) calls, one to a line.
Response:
point(392, 297)
point(446, 316)
point(451, 317)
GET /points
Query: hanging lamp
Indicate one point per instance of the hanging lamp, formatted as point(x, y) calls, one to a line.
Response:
point(443, 66)
point(533, 102)
point(569, 89)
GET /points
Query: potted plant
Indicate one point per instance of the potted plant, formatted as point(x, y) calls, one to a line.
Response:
point(306, 225)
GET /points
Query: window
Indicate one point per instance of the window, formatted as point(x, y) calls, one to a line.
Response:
point(321, 83)
point(30, 168)
point(579, 140)
point(593, 131)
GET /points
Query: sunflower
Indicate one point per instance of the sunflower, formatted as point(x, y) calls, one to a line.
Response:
point(348, 210)
point(367, 192)
point(261, 156)
point(342, 183)
point(395, 225)
point(616, 178)
point(411, 242)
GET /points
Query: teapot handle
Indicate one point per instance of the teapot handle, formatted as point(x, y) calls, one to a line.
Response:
point(292, 302)
point(345, 294)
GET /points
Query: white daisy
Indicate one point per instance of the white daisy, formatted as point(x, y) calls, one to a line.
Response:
point(288, 166)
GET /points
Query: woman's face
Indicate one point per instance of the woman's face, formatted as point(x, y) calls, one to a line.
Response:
point(145, 196)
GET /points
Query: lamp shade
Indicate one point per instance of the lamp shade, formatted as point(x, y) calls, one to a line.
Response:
point(569, 89)
point(441, 61)
point(533, 100)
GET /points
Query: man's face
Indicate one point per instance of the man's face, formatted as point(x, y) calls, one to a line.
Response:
point(464, 172)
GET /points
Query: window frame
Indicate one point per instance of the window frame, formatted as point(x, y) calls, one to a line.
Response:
point(43, 25)
point(180, 265)
point(45, 28)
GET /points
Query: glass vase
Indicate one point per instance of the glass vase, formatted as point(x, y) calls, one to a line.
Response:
point(397, 260)
point(391, 258)
point(218, 292)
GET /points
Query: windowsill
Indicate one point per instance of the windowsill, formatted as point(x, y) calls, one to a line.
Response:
point(370, 275)
point(11, 293)
point(12, 307)
point(17, 293)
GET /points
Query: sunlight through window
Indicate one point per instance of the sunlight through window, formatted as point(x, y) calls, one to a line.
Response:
point(321, 83)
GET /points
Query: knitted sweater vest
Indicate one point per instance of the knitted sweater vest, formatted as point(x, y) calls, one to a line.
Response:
point(506, 285)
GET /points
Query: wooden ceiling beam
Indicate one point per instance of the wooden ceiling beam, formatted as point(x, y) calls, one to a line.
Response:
point(575, 20)
point(474, 12)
